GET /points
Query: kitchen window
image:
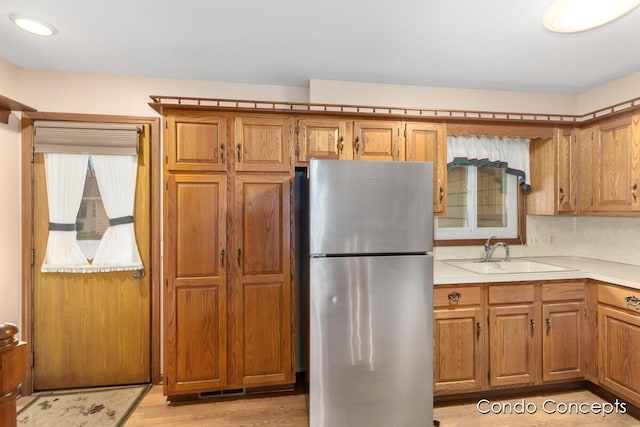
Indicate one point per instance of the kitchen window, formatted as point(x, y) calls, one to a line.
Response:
point(482, 202)
point(483, 177)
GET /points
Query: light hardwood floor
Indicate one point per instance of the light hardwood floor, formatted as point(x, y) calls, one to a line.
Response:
point(291, 410)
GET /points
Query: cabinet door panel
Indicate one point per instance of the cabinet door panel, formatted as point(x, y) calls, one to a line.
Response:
point(263, 143)
point(196, 142)
point(614, 172)
point(513, 354)
point(320, 139)
point(427, 142)
point(566, 171)
point(562, 341)
point(458, 350)
point(587, 143)
point(377, 140)
point(262, 328)
point(619, 343)
point(195, 295)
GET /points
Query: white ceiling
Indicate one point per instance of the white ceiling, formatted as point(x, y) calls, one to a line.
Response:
point(491, 44)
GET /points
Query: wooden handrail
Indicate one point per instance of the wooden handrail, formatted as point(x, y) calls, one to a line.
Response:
point(13, 371)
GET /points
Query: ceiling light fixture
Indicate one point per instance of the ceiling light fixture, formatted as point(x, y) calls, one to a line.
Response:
point(574, 16)
point(32, 26)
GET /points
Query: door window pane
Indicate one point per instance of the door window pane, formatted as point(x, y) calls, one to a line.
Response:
point(92, 220)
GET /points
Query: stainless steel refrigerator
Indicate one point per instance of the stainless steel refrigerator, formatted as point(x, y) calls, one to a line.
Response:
point(371, 293)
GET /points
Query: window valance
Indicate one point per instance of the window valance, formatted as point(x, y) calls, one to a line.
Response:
point(510, 154)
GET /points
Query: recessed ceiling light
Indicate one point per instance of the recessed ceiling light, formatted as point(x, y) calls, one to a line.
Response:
point(573, 16)
point(31, 25)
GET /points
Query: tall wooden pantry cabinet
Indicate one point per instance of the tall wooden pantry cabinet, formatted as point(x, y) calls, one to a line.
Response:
point(228, 297)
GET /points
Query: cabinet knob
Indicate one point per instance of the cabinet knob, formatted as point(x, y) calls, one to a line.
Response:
point(454, 297)
point(632, 301)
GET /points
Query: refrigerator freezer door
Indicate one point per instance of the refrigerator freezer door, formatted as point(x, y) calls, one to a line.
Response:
point(370, 207)
point(371, 341)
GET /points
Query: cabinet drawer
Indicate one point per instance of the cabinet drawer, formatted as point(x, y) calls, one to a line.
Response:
point(625, 298)
point(562, 291)
point(460, 295)
point(501, 294)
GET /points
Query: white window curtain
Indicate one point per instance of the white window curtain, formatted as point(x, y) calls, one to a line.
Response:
point(116, 176)
point(65, 175)
point(511, 154)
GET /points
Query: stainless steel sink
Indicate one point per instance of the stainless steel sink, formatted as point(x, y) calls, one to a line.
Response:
point(505, 267)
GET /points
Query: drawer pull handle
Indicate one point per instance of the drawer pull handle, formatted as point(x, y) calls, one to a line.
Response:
point(632, 301)
point(478, 329)
point(548, 326)
point(454, 297)
point(533, 326)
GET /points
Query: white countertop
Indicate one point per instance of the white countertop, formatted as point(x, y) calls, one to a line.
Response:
point(580, 268)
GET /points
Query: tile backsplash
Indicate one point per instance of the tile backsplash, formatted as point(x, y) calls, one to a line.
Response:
point(607, 238)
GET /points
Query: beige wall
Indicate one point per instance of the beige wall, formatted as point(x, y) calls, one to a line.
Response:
point(122, 95)
point(10, 295)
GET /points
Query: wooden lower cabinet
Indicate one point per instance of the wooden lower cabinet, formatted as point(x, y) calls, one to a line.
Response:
point(562, 341)
point(229, 300)
point(195, 304)
point(262, 327)
point(459, 340)
point(514, 352)
point(619, 341)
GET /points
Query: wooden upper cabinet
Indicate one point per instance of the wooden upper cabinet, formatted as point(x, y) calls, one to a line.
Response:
point(321, 139)
point(195, 298)
point(196, 142)
point(377, 140)
point(614, 172)
point(588, 141)
point(263, 143)
point(427, 142)
point(553, 174)
point(262, 308)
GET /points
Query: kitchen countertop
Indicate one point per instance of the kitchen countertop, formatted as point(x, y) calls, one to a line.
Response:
point(580, 268)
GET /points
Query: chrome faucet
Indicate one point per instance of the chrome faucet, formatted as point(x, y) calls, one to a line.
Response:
point(489, 249)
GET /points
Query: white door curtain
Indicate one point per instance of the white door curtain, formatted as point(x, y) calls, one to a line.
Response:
point(116, 177)
point(65, 175)
point(511, 154)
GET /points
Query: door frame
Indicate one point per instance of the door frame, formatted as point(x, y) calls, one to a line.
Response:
point(154, 270)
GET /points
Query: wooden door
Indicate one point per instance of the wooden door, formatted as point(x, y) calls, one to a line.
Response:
point(562, 341)
point(427, 142)
point(92, 329)
point(619, 345)
point(514, 349)
point(320, 139)
point(566, 171)
point(262, 318)
point(614, 180)
point(195, 142)
point(377, 140)
point(263, 144)
point(587, 162)
point(458, 350)
point(195, 298)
